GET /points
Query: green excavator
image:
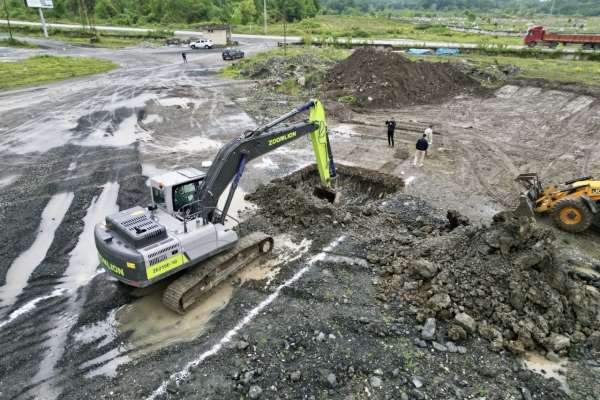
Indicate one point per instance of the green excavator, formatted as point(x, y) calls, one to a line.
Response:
point(183, 232)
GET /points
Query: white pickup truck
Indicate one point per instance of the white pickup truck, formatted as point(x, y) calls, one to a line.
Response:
point(202, 44)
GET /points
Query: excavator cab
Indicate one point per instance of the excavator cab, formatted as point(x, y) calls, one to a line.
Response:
point(177, 192)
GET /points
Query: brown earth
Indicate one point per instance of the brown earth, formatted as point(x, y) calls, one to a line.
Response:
point(378, 78)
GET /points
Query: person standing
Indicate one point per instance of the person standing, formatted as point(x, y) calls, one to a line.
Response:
point(429, 134)
point(422, 147)
point(184, 56)
point(391, 125)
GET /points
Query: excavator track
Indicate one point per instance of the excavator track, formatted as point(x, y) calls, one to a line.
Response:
point(187, 290)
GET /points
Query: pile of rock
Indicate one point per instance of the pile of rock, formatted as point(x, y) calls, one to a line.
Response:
point(504, 282)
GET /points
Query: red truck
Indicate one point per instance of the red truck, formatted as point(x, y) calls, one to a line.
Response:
point(538, 35)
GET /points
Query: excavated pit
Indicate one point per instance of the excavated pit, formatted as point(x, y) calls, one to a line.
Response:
point(356, 185)
point(290, 204)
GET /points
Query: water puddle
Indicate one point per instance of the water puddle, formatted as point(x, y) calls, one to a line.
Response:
point(153, 326)
point(83, 260)
point(541, 365)
point(238, 209)
point(83, 264)
point(197, 144)
point(116, 134)
point(265, 163)
point(20, 270)
point(337, 258)
point(153, 119)
point(8, 180)
point(409, 180)
point(181, 102)
point(588, 271)
point(29, 306)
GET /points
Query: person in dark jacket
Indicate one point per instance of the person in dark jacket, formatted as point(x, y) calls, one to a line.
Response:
point(184, 56)
point(391, 125)
point(422, 146)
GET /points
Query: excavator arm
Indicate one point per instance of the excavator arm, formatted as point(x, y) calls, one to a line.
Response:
point(229, 164)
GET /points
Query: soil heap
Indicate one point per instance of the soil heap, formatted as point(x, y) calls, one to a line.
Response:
point(375, 78)
point(505, 281)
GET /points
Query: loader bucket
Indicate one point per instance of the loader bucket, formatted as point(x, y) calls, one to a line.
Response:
point(525, 208)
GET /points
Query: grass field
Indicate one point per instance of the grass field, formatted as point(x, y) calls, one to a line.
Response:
point(586, 72)
point(45, 68)
point(375, 27)
point(81, 38)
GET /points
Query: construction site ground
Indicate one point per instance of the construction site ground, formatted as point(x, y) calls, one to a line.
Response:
point(323, 317)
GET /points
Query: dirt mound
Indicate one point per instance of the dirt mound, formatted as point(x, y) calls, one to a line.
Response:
point(375, 78)
point(289, 202)
point(504, 281)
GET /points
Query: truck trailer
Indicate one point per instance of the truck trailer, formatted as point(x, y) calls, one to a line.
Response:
point(538, 35)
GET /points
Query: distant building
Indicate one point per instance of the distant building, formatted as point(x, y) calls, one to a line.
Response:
point(219, 34)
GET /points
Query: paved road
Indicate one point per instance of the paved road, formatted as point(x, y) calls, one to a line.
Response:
point(297, 39)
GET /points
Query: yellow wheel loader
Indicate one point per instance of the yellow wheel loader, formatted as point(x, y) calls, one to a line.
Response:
point(572, 204)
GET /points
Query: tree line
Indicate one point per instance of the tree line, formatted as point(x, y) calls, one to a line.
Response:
point(165, 12)
point(140, 12)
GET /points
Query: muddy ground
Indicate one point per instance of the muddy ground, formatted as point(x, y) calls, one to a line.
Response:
point(309, 322)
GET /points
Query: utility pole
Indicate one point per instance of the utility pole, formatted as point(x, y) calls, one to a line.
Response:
point(8, 20)
point(285, 28)
point(43, 21)
point(264, 14)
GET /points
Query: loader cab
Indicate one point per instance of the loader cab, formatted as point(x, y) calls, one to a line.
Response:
point(178, 191)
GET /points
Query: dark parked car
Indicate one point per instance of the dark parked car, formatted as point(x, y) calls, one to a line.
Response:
point(232, 54)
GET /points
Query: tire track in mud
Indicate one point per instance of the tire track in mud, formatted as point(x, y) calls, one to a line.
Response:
point(37, 303)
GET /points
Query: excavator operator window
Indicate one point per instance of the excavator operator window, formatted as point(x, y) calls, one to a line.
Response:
point(184, 194)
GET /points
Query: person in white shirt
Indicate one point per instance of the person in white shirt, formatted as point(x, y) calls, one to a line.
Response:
point(429, 135)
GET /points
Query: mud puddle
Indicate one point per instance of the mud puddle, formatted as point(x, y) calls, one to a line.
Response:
point(541, 365)
point(151, 326)
point(19, 272)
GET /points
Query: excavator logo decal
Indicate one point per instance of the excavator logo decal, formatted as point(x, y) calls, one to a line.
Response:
point(282, 138)
point(111, 267)
point(166, 265)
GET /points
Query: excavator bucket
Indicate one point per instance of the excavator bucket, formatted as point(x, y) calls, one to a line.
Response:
point(533, 190)
point(327, 193)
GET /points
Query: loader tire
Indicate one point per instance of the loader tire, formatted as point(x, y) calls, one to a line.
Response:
point(572, 215)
